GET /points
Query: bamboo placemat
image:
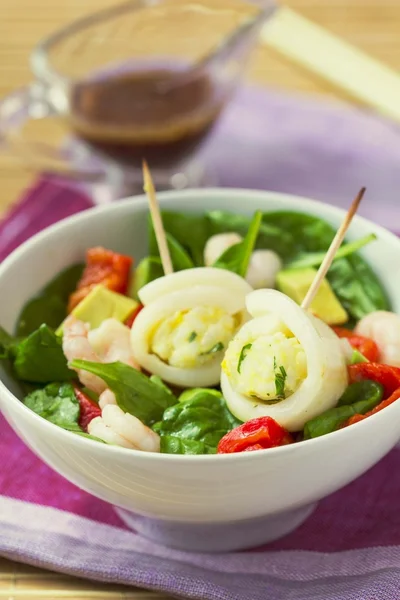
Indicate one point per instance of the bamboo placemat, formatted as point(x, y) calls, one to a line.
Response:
point(372, 25)
point(22, 582)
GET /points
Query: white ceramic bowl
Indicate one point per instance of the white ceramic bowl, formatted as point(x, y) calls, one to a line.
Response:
point(205, 503)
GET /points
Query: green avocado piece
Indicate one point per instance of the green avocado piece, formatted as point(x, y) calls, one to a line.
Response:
point(357, 357)
point(101, 304)
point(148, 269)
point(295, 283)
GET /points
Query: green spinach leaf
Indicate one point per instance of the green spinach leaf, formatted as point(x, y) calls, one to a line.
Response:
point(39, 358)
point(50, 306)
point(65, 282)
point(361, 390)
point(201, 416)
point(353, 281)
point(356, 400)
point(304, 233)
point(269, 236)
point(357, 287)
point(190, 231)
point(237, 257)
point(135, 393)
point(179, 257)
point(170, 444)
point(314, 259)
point(297, 238)
point(56, 403)
point(6, 343)
point(158, 381)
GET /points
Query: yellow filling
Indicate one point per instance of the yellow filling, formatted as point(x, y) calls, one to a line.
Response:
point(189, 338)
point(267, 367)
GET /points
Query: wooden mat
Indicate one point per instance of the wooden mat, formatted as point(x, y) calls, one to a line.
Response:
point(21, 582)
point(373, 25)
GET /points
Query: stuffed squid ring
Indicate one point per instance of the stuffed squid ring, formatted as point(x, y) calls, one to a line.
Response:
point(284, 363)
point(186, 324)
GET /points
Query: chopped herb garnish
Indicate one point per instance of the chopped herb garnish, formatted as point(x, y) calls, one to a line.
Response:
point(216, 348)
point(243, 354)
point(192, 336)
point(280, 379)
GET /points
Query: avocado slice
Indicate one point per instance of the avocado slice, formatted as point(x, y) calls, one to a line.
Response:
point(295, 284)
point(148, 269)
point(100, 304)
point(357, 357)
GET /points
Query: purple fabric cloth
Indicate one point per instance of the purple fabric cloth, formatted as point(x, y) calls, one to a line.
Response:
point(349, 549)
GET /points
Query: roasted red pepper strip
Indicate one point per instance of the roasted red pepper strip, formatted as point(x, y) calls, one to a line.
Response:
point(257, 434)
point(253, 447)
point(356, 418)
point(102, 267)
point(366, 346)
point(386, 375)
point(129, 321)
point(89, 409)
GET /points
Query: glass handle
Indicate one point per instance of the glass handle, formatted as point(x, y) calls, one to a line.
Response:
point(30, 104)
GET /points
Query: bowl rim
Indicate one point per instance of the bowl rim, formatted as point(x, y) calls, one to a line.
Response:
point(140, 201)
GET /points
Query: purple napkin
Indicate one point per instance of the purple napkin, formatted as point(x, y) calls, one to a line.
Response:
point(349, 549)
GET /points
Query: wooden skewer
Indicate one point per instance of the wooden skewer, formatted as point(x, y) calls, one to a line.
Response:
point(157, 221)
point(333, 248)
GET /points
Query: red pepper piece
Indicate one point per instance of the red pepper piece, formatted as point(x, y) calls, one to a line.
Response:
point(366, 346)
point(129, 321)
point(257, 434)
point(386, 375)
point(356, 418)
point(89, 409)
point(253, 447)
point(102, 267)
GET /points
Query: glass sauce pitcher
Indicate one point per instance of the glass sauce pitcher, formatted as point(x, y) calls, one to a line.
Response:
point(144, 80)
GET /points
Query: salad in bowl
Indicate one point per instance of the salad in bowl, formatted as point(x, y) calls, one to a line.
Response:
point(120, 376)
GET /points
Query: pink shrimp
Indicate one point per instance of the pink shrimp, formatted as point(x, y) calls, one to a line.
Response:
point(108, 343)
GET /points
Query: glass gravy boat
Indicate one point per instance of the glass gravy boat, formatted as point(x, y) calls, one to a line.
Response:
point(147, 79)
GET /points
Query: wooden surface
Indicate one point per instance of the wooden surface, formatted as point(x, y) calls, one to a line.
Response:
point(373, 25)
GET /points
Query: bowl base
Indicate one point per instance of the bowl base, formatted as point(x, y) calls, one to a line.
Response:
point(217, 537)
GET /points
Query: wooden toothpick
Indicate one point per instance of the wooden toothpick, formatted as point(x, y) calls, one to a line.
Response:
point(157, 221)
point(333, 248)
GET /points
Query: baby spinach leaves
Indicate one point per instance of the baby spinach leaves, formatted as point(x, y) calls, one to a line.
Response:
point(39, 358)
point(180, 258)
point(269, 235)
point(237, 257)
point(358, 399)
point(171, 444)
point(191, 232)
point(135, 393)
point(314, 259)
point(56, 403)
point(357, 287)
point(50, 306)
point(6, 342)
point(299, 239)
point(196, 424)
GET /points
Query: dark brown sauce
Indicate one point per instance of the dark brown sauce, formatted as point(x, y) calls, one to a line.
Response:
point(135, 115)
